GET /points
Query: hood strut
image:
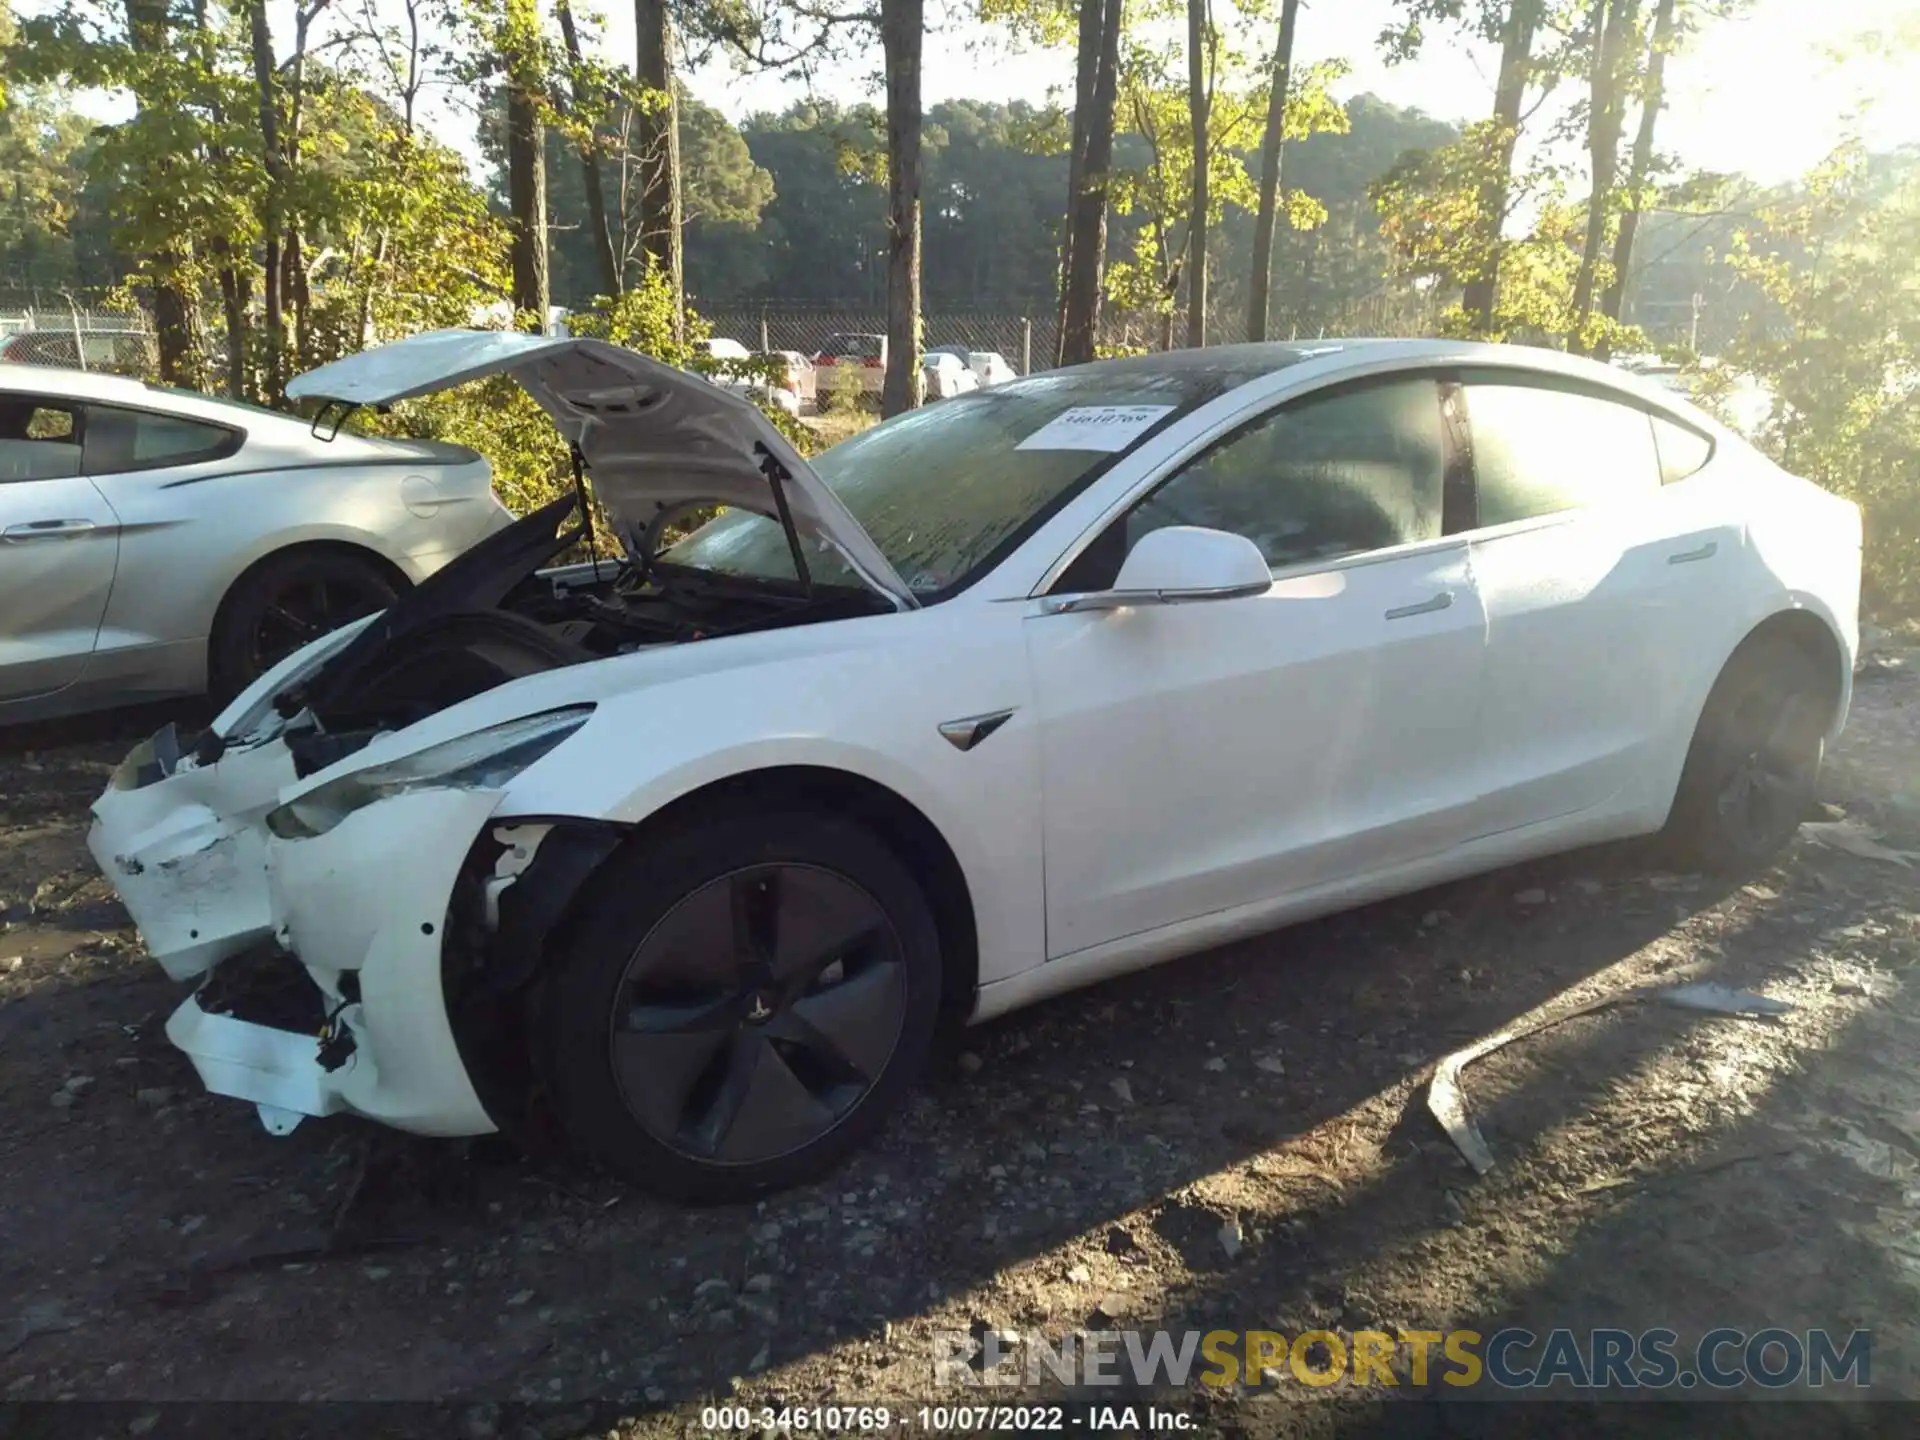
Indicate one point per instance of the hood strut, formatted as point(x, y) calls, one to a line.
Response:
point(778, 477)
point(586, 513)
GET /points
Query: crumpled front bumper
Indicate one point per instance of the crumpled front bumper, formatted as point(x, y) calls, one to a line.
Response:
point(186, 852)
point(361, 908)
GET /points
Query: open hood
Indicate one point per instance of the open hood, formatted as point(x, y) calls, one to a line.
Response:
point(655, 439)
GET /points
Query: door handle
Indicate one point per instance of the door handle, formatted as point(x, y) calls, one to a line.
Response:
point(48, 530)
point(1425, 607)
point(1705, 552)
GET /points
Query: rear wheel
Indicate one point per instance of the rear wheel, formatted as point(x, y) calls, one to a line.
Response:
point(743, 1004)
point(287, 601)
point(1751, 773)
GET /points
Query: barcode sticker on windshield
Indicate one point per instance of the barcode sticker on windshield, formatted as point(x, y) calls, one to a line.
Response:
point(1095, 427)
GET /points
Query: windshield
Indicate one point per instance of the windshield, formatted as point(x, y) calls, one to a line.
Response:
point(854, 347)
point(947, 490)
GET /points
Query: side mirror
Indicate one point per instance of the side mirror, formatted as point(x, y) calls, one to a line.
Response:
point(1178, 565)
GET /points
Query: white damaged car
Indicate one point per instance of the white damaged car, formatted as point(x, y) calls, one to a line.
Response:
point(693, 848)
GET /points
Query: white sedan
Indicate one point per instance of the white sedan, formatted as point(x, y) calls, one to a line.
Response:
point(1001, 697)
point(155, 542)
point(947, 375)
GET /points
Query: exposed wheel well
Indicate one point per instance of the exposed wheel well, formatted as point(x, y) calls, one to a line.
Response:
point(394, 574)
point(906, 831)
point(1812, 637)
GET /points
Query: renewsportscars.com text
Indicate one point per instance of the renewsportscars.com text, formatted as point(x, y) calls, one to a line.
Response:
point(1509, 1359)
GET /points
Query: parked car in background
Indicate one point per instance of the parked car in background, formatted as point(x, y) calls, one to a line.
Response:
point(990, 367)
point(722, 349)
point(113, 352)
point(782, 379)
point(799, 373)
point(851, 367)
point(997, 699)
point(946, 375)
point(156, 543)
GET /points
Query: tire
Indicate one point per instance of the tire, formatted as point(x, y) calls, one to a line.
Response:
point(679, 1059)
point(286, 601)
point(1752, 769)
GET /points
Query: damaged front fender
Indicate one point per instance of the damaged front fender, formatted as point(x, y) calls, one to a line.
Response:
point(186, 854)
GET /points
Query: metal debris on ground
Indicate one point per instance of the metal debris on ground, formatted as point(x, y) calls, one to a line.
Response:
point(1721, 999)
point(1448, 1102)
point(1855, 839)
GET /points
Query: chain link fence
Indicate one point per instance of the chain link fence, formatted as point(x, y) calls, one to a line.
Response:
point(72, 336)
point(1028, 339)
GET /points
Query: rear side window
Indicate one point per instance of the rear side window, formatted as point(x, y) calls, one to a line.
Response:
point(39, 439)
point(1539, 450)
point(1683, 452)
point(120, 440)
point(1359, 469)
point(854, 347)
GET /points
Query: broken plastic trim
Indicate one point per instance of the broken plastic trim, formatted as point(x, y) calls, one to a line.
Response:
point(488, 970)
point(1448, 1103)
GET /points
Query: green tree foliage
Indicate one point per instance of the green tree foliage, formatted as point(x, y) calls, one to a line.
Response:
point(1838, 344)
point(1153, 184)
point(44, 146)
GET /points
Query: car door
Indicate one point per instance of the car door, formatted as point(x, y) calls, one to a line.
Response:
point(59, 542)
point(1580, 567)
point(1208, 756)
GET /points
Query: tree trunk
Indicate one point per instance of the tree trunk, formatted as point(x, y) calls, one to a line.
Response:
point(1087, 219)
point(1260, 280)
point(1612, 22)
point(1640, 166)
point(901, 33)
point(1199, 103)
point(1086, 66)
point(233, 298)
point(526, 168)
point(274, 160)
point(1481, 293)
point(172, 306)
point(293, 266)
point(597, 227)
point(658, 130)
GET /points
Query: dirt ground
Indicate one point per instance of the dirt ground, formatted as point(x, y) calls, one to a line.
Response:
point(1073, 1166)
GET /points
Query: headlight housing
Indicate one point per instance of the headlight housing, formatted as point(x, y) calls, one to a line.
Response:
point(484, 760)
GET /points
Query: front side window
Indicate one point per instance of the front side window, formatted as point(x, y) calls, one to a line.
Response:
point(1359, 469)
point(39, 439)
point(120, 440)
point(1539, 449)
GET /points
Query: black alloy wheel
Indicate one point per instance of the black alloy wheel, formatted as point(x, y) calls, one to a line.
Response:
point(746, 995)
point(287, 601)
point(308, 607)
point(1754, 765)
point(758, 1012)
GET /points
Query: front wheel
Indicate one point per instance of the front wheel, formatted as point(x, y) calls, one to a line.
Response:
point(285, 602)
point(746, 999)
point(1754, 764)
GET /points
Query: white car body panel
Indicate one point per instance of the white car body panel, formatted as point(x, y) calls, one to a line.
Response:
point(1166, 778)
point(122, 610)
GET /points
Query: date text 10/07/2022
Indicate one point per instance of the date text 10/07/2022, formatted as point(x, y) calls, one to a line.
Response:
point(942, 1419)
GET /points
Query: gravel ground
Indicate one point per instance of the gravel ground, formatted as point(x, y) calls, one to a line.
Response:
point(1236, 1141)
